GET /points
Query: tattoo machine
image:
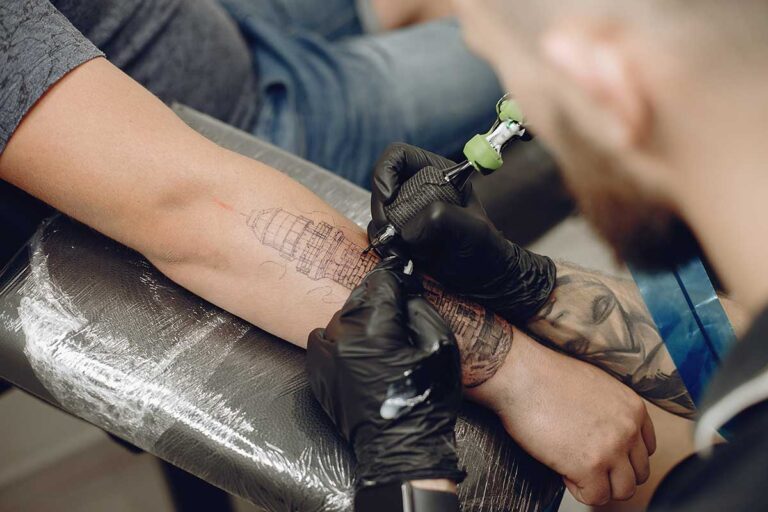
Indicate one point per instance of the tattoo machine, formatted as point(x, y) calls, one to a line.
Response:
point(483, 154)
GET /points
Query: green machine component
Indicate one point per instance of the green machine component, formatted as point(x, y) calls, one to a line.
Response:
point(483, 151)
point(430, 185)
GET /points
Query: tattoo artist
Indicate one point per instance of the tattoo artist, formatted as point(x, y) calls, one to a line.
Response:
point(358, 362)
point(631, 97)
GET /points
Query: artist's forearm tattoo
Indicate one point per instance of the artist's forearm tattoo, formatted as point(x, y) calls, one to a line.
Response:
point(320, 251)
point(603, 320)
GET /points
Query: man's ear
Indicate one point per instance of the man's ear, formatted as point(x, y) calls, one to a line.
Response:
point(602, 94)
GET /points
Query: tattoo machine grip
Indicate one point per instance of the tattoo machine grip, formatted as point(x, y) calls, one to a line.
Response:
point(427, 186)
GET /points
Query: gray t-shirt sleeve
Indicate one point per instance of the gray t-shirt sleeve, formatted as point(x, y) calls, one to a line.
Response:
point(38, 46)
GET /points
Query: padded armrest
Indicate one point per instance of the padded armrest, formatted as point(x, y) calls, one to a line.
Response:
point(93, 328)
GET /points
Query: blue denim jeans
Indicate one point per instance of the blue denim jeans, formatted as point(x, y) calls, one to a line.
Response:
point(336, 92)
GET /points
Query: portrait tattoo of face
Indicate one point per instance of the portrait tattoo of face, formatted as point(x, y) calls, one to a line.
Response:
point(604, 321)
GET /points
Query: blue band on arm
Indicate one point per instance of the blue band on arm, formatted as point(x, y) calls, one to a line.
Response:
point(691, 320)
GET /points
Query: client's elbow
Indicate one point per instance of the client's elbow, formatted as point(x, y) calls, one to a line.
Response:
point(178, 230)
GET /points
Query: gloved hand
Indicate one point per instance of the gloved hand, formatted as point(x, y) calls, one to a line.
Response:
point(458, 245)
point(387, 371)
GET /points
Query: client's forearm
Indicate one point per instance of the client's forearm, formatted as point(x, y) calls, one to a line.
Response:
point(265, 248)
point(296, 267)
point(603, 320)
point(241, 235)
point(326, 253)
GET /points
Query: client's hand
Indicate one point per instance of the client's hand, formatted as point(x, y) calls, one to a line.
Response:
point(458, 245)
point(570, 415)
point(576, 419)
point(387, 371)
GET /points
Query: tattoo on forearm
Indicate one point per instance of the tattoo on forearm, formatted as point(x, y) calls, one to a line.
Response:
point(322, 251)
point(603, 320)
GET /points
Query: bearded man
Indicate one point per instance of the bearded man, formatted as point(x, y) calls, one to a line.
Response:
point(655, 111)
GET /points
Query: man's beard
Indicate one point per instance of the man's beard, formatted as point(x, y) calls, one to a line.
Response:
point(642, 229)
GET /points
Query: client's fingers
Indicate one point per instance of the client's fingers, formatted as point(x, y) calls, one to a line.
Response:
point(622, 477)
point(649, 434)
point(638, 457)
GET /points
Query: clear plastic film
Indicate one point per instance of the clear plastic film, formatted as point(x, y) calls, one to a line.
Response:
point(93, 328)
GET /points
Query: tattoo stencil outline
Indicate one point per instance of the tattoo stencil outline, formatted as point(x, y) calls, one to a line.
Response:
point(322, 251)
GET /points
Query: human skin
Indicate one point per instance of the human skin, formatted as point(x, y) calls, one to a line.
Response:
point(638, 85)
point(102, 149)
point(603, 320)
point(635, 81)
point(393, 14)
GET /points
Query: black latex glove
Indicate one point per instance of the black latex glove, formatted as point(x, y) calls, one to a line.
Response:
point(458, 245)
point(387, 371)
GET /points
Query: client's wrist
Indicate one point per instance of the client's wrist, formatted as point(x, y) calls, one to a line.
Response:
point(505, 385)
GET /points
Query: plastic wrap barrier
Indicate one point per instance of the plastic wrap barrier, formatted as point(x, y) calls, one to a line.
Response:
point(93, 328)
point(691, 320)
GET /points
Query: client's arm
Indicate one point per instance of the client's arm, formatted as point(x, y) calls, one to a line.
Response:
point(238, 233)
point(603, 320)
point(249, 239)
point(597, 318)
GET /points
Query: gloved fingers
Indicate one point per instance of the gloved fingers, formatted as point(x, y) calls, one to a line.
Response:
point(379, 208)
point(373, 319)
point(443, 225)
point(321, 368)
point(397, 164)
point(393, 168)
point(436, 347)
point(372, 230)
point(319, 350)
point(427, 328)
point(378, 217)
point(392, 249)
point(471, 201)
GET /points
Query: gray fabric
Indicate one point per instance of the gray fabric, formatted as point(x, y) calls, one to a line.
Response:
point(37, 47)
point(185, 51)
point(188, 51)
